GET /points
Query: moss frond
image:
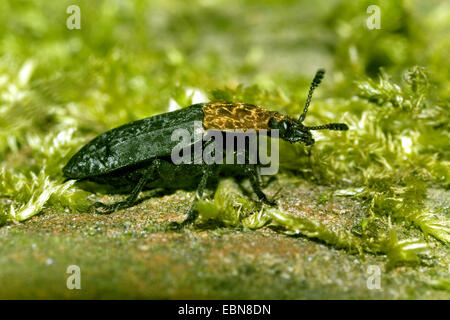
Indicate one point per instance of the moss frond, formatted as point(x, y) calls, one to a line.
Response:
point(231, 208)
point(30, 185)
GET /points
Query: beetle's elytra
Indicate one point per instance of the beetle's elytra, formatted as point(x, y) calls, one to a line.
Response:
point(138, 154)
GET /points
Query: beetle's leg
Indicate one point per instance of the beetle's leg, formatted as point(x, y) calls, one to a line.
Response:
point(258, 175)
point(192, 213)
point(109, 208)
point(253, 176)
point(260, 180)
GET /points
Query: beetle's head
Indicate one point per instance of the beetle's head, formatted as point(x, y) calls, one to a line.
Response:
point(293, 130)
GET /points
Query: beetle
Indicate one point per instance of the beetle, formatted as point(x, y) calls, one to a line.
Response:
point(138, 154)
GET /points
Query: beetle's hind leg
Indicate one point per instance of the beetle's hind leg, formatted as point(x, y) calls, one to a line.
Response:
point(129, 202)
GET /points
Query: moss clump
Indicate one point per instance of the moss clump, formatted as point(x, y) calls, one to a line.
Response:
point(231, 208)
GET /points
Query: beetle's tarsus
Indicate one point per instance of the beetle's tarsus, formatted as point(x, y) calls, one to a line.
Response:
point(275, 196)
point(192, 215)
point(110, 208)
point(268, 202)
point(175, 226)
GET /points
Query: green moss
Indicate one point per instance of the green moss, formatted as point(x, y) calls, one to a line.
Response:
point(231, 208)
point(31, 184)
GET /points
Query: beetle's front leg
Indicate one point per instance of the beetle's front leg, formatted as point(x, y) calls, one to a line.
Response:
point(251, 171)
point(260, 180)
point(207, 171)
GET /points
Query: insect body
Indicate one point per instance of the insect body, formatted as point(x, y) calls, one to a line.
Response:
point(138, 154)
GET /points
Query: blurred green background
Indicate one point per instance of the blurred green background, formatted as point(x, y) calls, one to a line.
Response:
point(132, 59)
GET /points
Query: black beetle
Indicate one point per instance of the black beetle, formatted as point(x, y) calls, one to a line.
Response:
point(138, 154)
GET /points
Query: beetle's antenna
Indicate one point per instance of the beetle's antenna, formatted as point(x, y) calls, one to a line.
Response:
point(330, 126)
point(314, 84)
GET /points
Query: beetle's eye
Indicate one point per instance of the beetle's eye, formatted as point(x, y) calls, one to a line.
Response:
point(283, 125)
point(273, 123)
